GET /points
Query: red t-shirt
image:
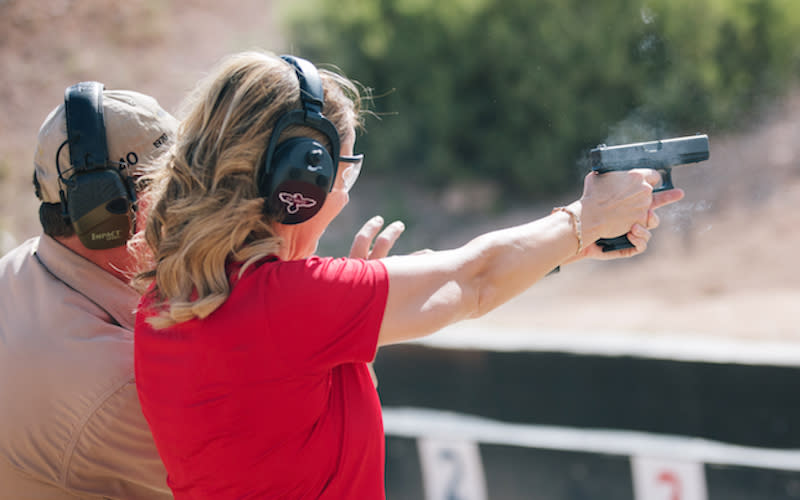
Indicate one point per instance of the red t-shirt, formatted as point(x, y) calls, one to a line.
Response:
point(270, 396)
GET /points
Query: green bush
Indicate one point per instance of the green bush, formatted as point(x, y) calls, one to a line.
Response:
point(516, 91)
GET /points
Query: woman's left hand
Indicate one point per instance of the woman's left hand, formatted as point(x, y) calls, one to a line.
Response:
point(363, 248)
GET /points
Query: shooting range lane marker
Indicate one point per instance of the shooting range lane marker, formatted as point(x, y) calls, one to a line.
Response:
point(442, 425)
point(680, 347)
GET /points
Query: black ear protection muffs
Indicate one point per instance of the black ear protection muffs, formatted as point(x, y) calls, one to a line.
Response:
point(96, 198)
point(298, 173)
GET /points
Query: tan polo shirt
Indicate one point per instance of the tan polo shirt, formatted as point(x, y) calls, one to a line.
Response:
point(70, 422)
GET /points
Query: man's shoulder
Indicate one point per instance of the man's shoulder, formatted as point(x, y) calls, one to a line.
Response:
point(16, 258)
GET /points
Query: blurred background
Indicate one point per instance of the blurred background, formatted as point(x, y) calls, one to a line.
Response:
point(482, 114)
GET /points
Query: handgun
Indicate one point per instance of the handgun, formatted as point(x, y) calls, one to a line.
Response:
point(660, 155)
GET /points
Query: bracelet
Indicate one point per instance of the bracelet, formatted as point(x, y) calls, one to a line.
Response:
point(576, 225)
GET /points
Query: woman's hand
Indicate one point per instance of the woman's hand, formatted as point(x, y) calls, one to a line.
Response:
point(363, 247)
point(613, 202)
point(639, 234)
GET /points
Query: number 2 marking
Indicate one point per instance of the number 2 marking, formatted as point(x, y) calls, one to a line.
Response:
point(673, 482)
point(451, 493)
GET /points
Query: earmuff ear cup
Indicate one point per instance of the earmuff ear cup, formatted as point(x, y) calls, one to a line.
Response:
point(302, 174)
point(97, 198)
point(298, 173)
point(99, 209)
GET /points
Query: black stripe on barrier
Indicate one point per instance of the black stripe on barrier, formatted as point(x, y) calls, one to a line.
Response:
point(750, 405)
point(403, 469)
point(745, 483)
point(525, 473)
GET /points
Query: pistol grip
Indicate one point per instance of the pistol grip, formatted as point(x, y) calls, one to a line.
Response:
point(612, 244)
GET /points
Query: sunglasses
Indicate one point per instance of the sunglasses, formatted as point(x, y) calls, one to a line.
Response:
point(350, 173)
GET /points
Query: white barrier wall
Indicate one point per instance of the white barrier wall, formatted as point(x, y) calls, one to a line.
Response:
point(473, 420)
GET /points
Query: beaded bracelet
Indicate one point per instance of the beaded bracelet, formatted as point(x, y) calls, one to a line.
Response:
point(576, 224)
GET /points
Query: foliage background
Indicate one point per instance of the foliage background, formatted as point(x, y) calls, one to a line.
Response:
point(514, 92)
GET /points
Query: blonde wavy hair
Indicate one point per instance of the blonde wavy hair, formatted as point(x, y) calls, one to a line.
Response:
point(204, 207)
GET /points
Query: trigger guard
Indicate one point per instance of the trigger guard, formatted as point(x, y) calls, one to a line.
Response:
point(666, 181)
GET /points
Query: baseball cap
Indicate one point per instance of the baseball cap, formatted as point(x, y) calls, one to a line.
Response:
point(138, 131)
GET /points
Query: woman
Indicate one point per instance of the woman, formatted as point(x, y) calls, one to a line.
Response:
point(251, 353)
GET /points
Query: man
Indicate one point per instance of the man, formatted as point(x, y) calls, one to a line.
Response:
point(70, 422)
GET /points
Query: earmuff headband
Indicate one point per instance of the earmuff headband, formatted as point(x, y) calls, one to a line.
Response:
point(311, 92)
point(86, 130)
point(312, 99)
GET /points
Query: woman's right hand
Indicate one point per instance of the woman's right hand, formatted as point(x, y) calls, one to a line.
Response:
point(613, 202)
point(621, 203)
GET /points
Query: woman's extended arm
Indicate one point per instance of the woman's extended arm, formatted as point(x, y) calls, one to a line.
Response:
point(430, 291)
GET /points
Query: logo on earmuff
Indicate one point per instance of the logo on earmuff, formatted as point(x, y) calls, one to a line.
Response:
point(295, 201)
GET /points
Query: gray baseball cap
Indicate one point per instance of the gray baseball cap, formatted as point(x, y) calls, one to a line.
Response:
point(138, 132)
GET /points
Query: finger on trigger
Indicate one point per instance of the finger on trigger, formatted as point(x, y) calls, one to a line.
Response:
point(386, 240)
point(651, 177)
